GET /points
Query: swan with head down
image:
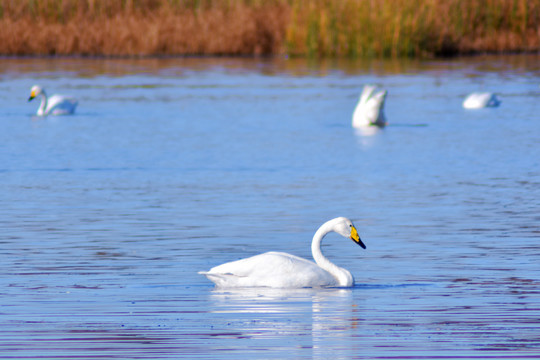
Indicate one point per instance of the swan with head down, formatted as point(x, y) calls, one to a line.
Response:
point(479, 100)
point(370, 108)
point(282, 270)
point(53, 105)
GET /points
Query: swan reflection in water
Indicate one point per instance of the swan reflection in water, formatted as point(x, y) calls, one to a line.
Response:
point(325, 320)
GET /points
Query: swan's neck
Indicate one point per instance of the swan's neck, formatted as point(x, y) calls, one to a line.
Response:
point(43, 105)
point(343, 277)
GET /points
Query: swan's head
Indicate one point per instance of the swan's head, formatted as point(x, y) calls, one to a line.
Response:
point(346, 228)
point(35, 91)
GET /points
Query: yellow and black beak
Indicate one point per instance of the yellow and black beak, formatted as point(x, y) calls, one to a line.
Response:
point(32, 96)
point(356, 238)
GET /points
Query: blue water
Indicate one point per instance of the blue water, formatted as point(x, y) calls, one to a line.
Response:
point(173, 166)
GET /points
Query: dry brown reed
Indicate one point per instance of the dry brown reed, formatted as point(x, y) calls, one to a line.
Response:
point(140, 28)
point(344, 28)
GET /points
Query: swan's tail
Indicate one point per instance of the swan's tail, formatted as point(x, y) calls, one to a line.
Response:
point(367, 92)
point(222, 280)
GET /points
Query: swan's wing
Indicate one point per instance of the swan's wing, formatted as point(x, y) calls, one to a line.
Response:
point(272, 269)
point(61, 105)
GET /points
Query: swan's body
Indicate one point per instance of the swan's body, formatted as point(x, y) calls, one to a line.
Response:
point(282, 270)
point(479, 100)
point(271, 269)
point(54, 105)
point(370, 108)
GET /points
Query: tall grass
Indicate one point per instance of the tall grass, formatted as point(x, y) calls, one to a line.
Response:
point(141, 27)
point(395, 28)
point(326, 28)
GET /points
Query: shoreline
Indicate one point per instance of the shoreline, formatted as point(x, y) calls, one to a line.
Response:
point(260, 57)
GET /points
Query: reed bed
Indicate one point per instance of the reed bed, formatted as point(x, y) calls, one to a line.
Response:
point(323, 28)
point(140, 28)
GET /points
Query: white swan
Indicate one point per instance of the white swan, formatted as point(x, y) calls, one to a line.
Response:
point(479, 100)
point(282, 270)
point(54, 105)
point(370, 108)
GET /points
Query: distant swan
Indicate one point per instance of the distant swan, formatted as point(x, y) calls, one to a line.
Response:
point(282, 270)
point(478, 100)
point(370, 108)
point(54, 105)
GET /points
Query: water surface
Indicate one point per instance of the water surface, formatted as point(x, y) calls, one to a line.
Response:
point(173, 166)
